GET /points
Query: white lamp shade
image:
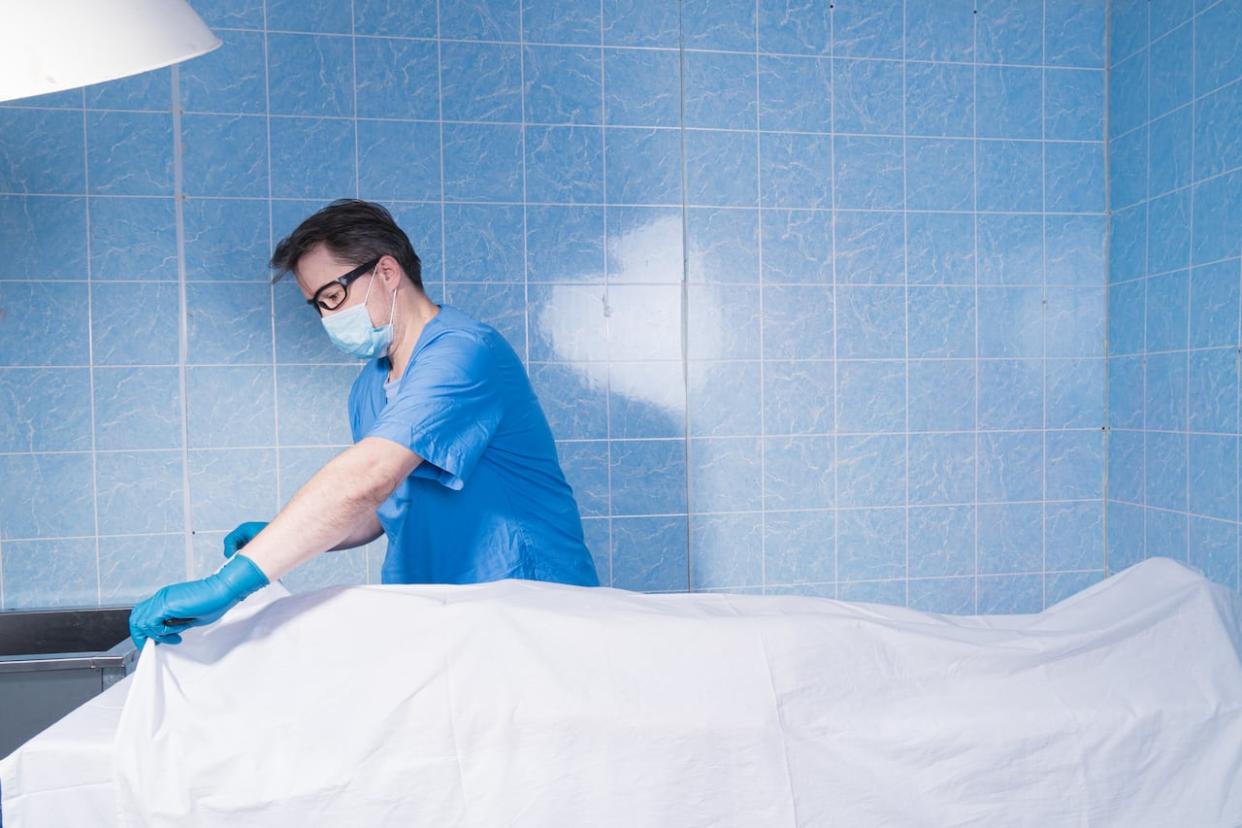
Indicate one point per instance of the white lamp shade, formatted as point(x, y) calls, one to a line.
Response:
point(50, 45)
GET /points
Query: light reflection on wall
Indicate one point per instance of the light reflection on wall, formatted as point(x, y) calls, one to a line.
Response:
point(621, 327)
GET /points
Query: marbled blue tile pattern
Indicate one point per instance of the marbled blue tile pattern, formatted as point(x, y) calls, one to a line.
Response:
point(813, 294)
point(1174, 281)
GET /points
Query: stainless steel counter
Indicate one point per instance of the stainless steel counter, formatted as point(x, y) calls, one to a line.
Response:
point(51, 661)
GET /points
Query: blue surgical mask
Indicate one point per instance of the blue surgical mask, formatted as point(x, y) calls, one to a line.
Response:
point(352, 332)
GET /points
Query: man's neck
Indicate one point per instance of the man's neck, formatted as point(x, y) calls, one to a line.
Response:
point(414, 311)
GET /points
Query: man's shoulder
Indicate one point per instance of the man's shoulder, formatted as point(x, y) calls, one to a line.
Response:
point(461, 335)
point(454, 321)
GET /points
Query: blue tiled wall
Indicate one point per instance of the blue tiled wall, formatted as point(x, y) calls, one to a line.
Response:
point(1174, 276)
point(814, 296)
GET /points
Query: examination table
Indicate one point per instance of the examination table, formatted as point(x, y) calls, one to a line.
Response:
point(529, 704)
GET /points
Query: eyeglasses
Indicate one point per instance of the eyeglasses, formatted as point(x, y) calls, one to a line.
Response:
point(332, 295)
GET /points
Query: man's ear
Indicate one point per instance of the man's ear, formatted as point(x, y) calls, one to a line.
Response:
point(390, 271)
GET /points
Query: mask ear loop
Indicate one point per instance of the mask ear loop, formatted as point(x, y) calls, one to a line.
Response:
point(392, 309)
point(368, 294)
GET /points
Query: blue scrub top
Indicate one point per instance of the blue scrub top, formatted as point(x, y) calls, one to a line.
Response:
point(489, 500)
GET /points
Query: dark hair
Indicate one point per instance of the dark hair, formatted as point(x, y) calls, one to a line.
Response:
point(355, 232)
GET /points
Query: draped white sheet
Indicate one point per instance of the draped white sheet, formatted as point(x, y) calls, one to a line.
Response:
point(528, 704)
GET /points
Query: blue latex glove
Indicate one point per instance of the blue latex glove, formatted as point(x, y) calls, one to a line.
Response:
point(242, 535)
point(177, 607)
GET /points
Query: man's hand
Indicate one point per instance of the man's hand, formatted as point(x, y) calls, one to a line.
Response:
point(176, 608)
point(241, 536)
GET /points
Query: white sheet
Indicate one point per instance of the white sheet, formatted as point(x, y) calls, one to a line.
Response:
point(63, 776)
point(529, 704)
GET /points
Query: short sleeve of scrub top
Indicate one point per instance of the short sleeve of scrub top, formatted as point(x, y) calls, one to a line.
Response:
point(446, 408)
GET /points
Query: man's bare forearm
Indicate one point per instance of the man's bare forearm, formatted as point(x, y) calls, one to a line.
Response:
point(321, 516)
point(367, 530)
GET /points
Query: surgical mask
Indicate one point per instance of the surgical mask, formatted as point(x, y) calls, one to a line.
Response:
point(352, 332)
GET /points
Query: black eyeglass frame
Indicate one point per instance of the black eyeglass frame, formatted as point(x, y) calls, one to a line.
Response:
point(344, 281)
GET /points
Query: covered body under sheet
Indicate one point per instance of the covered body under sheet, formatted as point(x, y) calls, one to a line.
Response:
point(520, 703)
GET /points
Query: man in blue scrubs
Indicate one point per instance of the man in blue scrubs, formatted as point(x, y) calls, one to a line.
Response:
point(453, 458)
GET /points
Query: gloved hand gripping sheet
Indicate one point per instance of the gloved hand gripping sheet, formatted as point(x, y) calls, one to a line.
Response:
point(529, 704)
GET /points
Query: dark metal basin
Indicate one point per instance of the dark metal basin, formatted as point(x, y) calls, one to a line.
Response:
point(43, 632)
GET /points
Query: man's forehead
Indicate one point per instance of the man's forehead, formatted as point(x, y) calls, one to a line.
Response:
point(316, 267)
